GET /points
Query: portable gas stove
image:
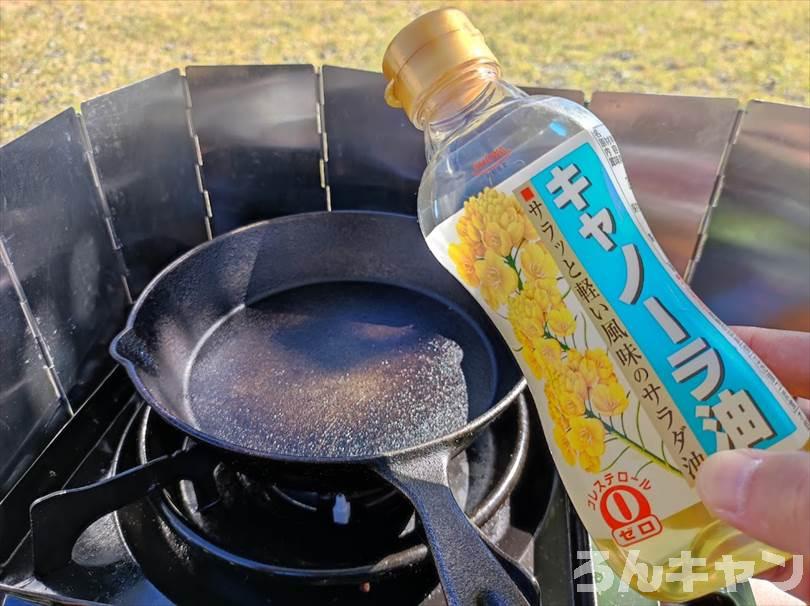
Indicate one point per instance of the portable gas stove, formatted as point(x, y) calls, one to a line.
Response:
point(241, 538)
point(94, 205)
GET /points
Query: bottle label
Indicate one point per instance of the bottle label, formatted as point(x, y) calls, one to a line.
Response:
point(635, 380)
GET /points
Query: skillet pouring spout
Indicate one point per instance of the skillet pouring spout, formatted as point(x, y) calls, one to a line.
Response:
point(129, 350)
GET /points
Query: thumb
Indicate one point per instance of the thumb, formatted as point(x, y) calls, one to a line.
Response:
point(764, 494)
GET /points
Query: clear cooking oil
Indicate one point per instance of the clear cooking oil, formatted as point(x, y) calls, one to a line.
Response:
point(527, 202)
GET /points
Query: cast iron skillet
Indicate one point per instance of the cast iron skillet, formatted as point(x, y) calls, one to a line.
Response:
point(325, 345)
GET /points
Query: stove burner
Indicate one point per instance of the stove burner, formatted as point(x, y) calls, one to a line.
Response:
point(339, 507)
point(288, 539)
point(312, 501)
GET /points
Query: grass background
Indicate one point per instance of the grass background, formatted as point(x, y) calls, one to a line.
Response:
point(54, 54)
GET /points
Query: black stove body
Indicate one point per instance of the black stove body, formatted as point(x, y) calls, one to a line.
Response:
point(96, 204)
point(240, 538)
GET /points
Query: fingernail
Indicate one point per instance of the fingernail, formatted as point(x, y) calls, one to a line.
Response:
point(724, 479)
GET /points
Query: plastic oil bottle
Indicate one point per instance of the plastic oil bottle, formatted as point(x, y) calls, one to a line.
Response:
point(526, 201)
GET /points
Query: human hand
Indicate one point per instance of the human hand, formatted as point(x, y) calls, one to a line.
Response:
point(763, 493)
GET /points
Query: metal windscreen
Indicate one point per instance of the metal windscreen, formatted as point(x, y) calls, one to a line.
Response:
point(94, 205)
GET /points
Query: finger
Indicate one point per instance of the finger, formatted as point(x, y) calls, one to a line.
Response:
point(784, 574)
point(764, 494)
point(769, 595)
point(797, 587)
point(785, 352)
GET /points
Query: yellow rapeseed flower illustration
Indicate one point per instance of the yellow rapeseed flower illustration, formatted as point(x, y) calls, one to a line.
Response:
point(493, 208)
point(538, 298)
point(537, 263)
point(609, 399)
point(470, 234)
point(573, 359)
point(547, 287)
point(499, 253)
point(536, 364)
point(527, 319)
point(557, 414)
point(589, 372)
point(604, 368)
point(498, 280)
point(497, 239)
point(563, 405)
point(463, 257)
point(529, 232)
point(584, 374)
point(510, 218)
point(561, 322)
point(561, 439)
point(473, 210)
point(571, 405)
point(550, 351)
point(589, 463)
point(587, 436)
point(493, 220)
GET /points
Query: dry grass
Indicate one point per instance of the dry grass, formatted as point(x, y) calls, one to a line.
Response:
point(55, 54)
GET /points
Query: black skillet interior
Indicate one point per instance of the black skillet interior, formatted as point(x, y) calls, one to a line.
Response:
point(318, 337)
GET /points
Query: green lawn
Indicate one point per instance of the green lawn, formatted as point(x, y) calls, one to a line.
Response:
point(55, 54)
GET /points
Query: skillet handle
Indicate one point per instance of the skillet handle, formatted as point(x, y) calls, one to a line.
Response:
point(470, 572)
point(524, 580)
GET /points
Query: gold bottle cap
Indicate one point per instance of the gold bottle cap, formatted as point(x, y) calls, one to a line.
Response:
point(428, 50)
